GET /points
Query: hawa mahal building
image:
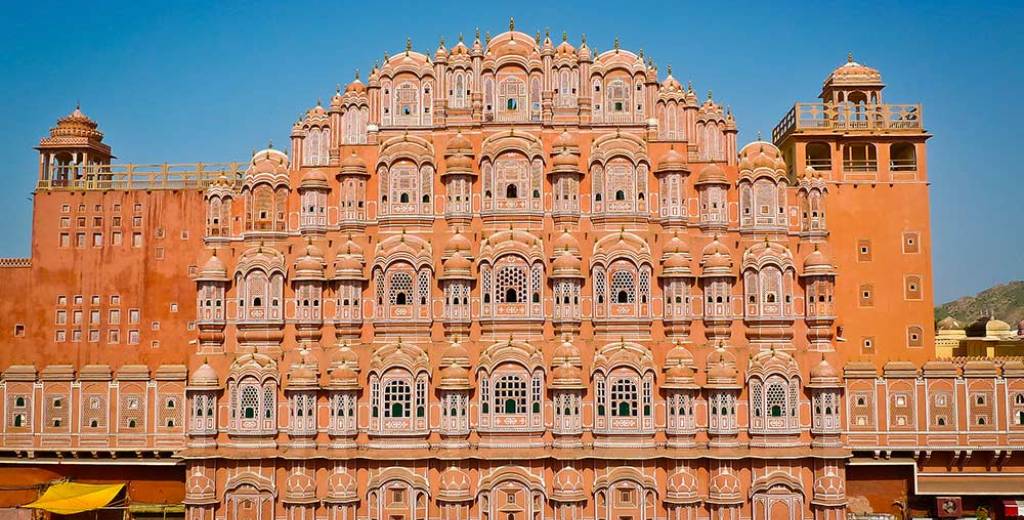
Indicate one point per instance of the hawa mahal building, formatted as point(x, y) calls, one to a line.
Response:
point(516, 279)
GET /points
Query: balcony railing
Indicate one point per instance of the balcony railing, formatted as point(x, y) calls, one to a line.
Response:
point(139, 176)
point(849, 116)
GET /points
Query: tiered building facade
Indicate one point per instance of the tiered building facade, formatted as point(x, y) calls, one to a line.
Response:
point(515, 280)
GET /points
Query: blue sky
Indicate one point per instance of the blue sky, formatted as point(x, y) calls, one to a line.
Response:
point(209, 81)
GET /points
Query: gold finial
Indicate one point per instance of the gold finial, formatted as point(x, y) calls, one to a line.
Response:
point(616, 44)
point(511, 23)
point(849, 57)
point(408, 45)
point(565, 36)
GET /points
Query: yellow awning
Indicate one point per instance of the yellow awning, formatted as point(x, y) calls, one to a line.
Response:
point(68, 498)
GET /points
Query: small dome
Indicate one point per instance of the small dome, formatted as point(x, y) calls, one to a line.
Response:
point(676, 261)
point(459, 163)
point(715, 259)
point(565, 49)
point(460, 143)
point(458, 243)
point(566, 161)
point(676, 245)
point(205, 375)
point(672, 161)
point(301, 375)
point(455, 353)
point(454, 377)
point(314, 179)
point(566, 241)
point(76, 124)
point(566, 376)
point(824, 374)
point(353, 165)
point(355, 86)
point(455, 485)
point(761, 155)
point(712, 174)
point(568, 485)
point(213, 270)
point(566, 265)
point(565, 140)
point(853, 73)
point(457, 267)
point(678, 355)
point(310, 265)
point(818, 263)
point(566, 350)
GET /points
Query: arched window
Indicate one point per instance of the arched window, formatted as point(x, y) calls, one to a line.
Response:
point(400, 288)
point(510, 395)
point(397, 399)
point(775, 399)
point(624, 398)
point(250, 402)
point(511, 192)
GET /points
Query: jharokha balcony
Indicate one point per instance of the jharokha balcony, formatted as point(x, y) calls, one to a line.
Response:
point(846, 117)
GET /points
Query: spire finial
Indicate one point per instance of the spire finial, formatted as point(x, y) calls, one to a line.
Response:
point(547, 32)
point(270, 144)
point(511, 23)
point(536, 37)
point(565, 36)
point(357, 74)
point(318, 101)
point(337, 88)
point(460, 38)
point(440, 42)
point(669, 69)
point(758, 135)
point(641, 55)
point(408, 44)
point(849, 57)
point(583, 38)
point(477, 33)
point(616, 44)
point(709, 94)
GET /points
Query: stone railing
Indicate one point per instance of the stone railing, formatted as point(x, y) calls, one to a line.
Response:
point(849, 117)
point(139, 176)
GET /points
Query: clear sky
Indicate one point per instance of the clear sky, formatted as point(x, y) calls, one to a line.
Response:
point(210, 81)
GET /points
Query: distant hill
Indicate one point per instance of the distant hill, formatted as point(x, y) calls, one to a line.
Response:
point(1004, 302)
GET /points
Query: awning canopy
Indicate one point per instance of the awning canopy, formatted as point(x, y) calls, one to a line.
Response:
point(68, 498)
point(1013, 507)
point(963, 484)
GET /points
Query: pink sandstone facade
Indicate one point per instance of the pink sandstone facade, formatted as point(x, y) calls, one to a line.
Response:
point(515, 280)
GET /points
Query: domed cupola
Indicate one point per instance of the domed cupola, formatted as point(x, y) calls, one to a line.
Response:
point(310, 266)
